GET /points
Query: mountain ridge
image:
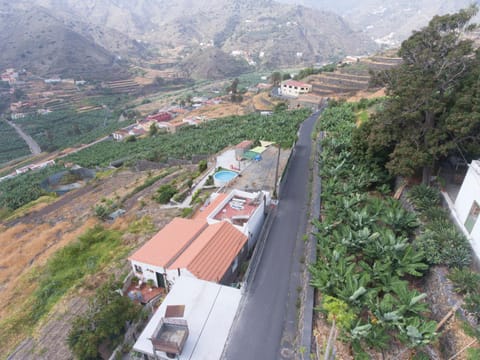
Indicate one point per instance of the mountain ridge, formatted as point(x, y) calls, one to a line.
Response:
point(265, 33)
point(387, 22)
point(38, 41)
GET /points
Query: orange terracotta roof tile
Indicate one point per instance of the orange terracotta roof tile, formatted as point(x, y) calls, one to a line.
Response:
point(205, 211)
point(169, 242)
point(212, 253)
point(244, 143)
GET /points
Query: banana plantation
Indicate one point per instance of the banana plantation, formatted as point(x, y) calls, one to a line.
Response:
point(367, 266)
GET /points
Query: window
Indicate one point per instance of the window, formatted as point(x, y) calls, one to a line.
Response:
point(138, 269)
point(472, 217)
point(235, 264)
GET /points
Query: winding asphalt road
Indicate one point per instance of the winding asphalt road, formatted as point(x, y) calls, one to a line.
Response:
point(265, 320)
point(32, 144)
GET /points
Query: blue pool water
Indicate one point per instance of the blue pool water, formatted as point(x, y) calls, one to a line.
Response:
point(223, 177)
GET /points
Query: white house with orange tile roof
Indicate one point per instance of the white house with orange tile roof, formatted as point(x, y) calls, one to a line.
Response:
point(214, 255)
point(152, 260)
point(191, 247)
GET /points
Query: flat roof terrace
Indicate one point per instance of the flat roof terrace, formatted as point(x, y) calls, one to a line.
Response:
point(170, 336)
point(238, 210)
point(209, 311)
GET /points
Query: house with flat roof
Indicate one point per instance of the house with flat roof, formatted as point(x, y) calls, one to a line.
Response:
point(193, 322)
point(246, 211)
point(294, 88)
point(192, 248)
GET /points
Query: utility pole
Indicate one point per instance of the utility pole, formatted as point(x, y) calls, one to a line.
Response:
point(276, 173)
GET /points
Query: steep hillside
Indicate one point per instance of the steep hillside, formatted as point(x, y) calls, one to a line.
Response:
point(267, 33)
point(388, 22)
point(39, 42)
point(212, 63)
point(296, 35)
point(263, 31)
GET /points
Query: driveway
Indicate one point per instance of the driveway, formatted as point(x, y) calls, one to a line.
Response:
point(266, 321)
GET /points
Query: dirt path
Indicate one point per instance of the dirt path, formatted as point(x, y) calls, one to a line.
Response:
point(32, 144)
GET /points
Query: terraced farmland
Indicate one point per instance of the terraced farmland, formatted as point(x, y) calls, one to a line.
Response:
point(350, 79)
point(123, 86)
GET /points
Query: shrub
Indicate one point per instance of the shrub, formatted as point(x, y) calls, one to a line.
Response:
point(196, 196)
point(101, 211)
point(338, 310)
point(186, 212)
point(448, 247)
point(202, 166)
point(165, 193)
point(179, 197)
point(209, 181)
point(440, 240)
point(424, 197)
point(472, 304)
point(142, 226)
point(464, 281)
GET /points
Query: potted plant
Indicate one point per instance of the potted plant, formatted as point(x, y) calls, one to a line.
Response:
point(150, 284)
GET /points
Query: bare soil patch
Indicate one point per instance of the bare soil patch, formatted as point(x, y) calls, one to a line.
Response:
point(365, 94)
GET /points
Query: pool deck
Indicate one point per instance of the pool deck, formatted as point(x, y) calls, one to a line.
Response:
point(260, 175)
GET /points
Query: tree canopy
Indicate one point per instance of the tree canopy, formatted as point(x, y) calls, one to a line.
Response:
point(423, 118)
point(104, 321)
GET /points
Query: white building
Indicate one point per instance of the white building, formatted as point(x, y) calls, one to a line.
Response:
point(209, 247)
point(208, 310)
point(467, 205)
point(294, 88)
point(191, 248)
point(244, 210)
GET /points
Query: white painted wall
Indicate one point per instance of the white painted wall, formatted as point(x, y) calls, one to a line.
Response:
point(470, 192)
point(254, 225)
point(172, 275)
point(148, 271)
point(290, 90)
point(227, 160)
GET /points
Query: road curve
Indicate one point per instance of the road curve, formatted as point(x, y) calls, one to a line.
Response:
point(32, 144)
point(260, 326)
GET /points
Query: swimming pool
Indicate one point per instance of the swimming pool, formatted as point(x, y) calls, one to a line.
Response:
point(222, 177)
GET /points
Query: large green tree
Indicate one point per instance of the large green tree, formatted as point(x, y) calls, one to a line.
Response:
point(417, 124)
point(104, 323)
